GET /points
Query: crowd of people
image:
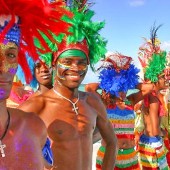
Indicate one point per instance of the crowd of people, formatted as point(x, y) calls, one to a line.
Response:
point(49, 46)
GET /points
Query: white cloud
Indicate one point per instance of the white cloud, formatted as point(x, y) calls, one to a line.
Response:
point(136, 3)
point(165, 45)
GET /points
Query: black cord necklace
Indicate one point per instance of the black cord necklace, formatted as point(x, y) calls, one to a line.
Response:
point(2, 146)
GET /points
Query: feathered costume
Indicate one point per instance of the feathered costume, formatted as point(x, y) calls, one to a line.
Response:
point(24, 21)
point(119, 75)
point(153, 60)
point(35, 16)
point(84, 38)
point(44, 58)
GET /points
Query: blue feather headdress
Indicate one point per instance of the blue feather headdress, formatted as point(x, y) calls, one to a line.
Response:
point(118, 74)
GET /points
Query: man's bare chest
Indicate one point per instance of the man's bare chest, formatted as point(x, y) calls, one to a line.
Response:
point(63, 123)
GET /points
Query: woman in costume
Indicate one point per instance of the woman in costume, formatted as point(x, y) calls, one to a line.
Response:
point(153, 60)
point(118, 75)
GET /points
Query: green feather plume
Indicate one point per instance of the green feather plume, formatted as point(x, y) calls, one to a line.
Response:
point(156, 66)
point(83, 28)
point(47, 57)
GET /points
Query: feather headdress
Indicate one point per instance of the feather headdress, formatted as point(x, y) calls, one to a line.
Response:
point(44, 58)
point(151, 57)
point(117, 74)
point(23, 21)
point(84, 33)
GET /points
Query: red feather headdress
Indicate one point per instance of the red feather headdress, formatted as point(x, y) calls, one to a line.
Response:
point(35, 17)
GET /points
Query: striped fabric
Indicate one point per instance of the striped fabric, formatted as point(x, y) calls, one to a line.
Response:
point(123, 124)
point(122, 121)
point(126, 159)
point(152, 154)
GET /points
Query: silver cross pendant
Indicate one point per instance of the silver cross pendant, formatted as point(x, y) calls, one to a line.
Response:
point(2, 146)
point(75, 109)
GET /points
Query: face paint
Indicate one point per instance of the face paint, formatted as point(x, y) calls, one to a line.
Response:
point(79, 66)
point(8, 58)
point(62, 67)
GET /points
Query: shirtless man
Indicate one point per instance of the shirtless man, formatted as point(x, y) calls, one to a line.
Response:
point(71, 115)
point(22, 135)
point(71, 128)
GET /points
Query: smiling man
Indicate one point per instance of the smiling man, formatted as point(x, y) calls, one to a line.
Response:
point(71, 115)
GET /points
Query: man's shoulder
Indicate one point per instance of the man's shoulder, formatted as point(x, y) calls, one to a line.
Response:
point(30, 123)
point(39, 98)
point(33, 104)
point(95, 101)
point(27, 117)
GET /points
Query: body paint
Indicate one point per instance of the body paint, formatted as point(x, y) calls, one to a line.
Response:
point(65, 67)
point(8, 64)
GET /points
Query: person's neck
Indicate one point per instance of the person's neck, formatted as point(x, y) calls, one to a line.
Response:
point(43, 89)
point(67, 92)
point(156, 90)
point(3, 114)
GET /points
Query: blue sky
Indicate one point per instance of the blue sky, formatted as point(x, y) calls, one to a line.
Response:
point(127, 21)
